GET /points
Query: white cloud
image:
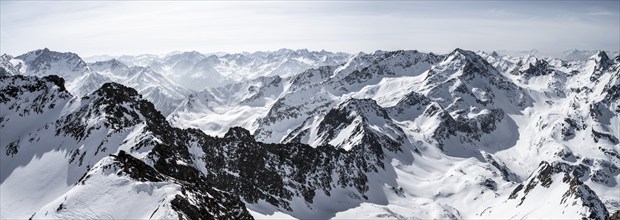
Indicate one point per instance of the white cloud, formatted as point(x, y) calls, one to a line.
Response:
point(115, 28)
point(604, 13)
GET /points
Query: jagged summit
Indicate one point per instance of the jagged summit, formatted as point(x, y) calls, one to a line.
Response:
point(464, 55)
point(470, 62)
point(532, 67)
point(118, 92)
point(600, 56)
point(238, 133)
point(599, 64)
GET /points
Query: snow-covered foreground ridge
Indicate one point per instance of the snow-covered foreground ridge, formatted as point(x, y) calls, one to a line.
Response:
point(393, 135)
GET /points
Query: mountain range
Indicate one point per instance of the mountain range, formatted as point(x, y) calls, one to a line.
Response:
point(304, 134)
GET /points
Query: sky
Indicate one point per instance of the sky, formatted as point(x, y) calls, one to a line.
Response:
point(137, 27)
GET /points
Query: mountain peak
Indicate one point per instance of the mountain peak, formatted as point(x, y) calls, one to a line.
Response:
point(304, 50)
point(58, 81)
point(532, 66)
point(359, 102)
point(117, 91)
point(45, 53)
point(600, 57)
point(463, 54)
point(238, 133)
point(458, 50)
point(284, 50)
point(469, 59)
point(193, 52)
point(602, 64)
point(45, 62)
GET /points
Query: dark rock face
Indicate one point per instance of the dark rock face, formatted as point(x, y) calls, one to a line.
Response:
point(365, 110)
point(612, 88)
point(108, 101)
point(239, 133)
point(171, 158)
point(409, 106)
point(483, 124)
point(199, 200)
point(137, 169)
point(278, 172)
point(506, 173)
point(27, 96)
point(447, 126)
point(616, 214)
point(538, 68)
point(46, 90)
point(490, 184)
point(603, 63)
point(472, 129)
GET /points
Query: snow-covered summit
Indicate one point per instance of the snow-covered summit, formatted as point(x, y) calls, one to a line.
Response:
point(46, 62)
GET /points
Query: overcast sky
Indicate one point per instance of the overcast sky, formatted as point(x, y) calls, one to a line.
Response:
point(115, 27)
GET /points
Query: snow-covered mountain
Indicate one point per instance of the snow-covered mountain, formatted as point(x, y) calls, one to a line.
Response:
point(198, 71)
point(577, 55)
point(396, 135)
point(314, 92)
point(9, 66)
point(456, 107)
point(45, 62)
point(82, 78)
point(158, 89)
point(215, 110)
point(78, 155)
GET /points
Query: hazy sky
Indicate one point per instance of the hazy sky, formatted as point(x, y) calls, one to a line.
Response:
point(115, 27)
